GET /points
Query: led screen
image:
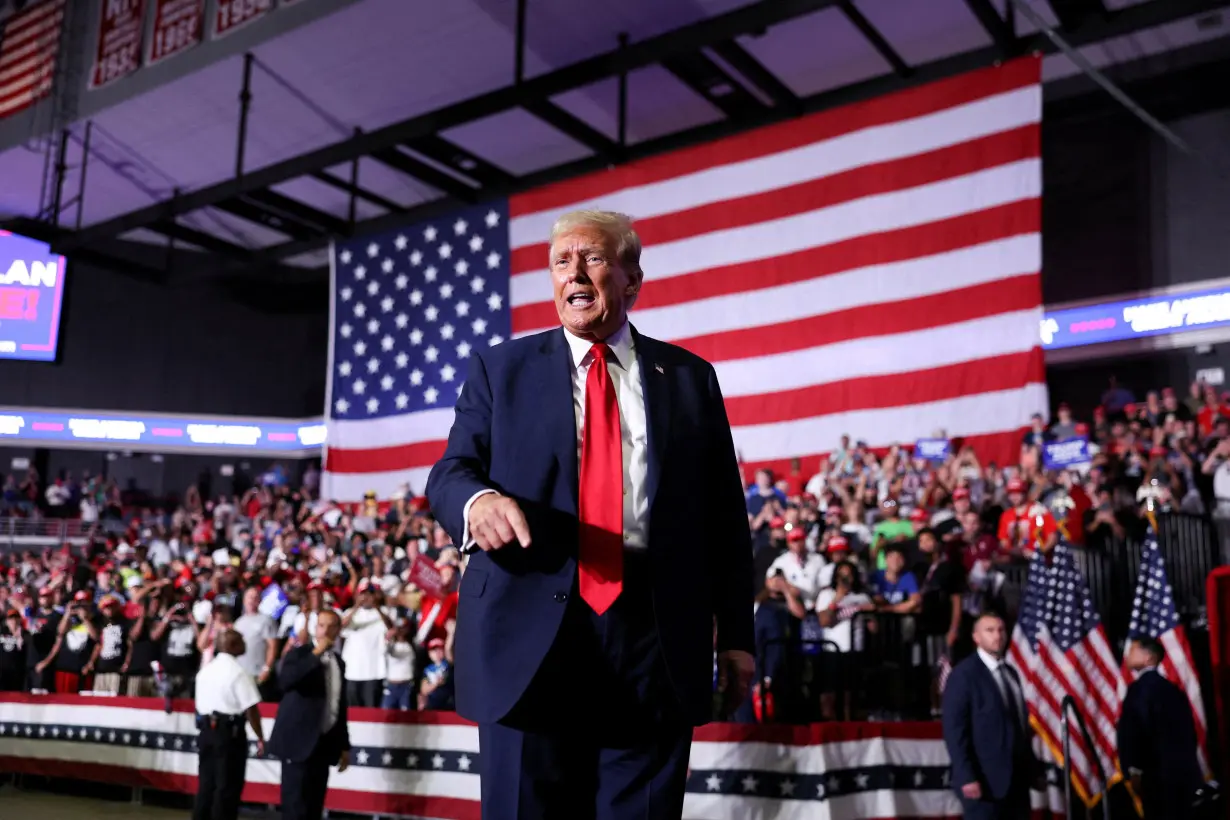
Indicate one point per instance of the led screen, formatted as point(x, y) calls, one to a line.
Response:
point(31, 294)
point(1135, 318)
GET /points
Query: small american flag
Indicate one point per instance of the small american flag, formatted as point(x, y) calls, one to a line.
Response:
point(872, 270)
point(1154, 615)
point(29, 45)
point(1073, 648)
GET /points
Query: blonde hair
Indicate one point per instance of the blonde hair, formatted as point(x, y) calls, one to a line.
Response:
point(615, 225)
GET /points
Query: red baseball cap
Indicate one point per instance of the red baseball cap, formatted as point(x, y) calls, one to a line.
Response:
point(796, 534)
point(960, 492)
point(837, 543)
point(918, 514)
point(435, 643)
point(1016, 486)
point(81, 595)
point(777, 523)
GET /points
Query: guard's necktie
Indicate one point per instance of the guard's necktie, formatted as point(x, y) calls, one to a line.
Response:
point(1010, 699)
point(601, 549)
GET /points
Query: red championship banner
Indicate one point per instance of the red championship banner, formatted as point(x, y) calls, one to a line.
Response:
point(233, 14)
point(177, 26)
point(121, 26)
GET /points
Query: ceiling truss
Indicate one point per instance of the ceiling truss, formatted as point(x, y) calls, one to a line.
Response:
point(704, 56)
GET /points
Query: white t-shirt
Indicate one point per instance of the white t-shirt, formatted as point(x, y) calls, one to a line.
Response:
point(1221, 482)
point(363, 646)
point(257, 630)
point(804, 576)
point(842, 633)
point(400, 661)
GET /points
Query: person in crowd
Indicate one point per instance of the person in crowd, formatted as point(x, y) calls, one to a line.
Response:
point(941, 583)
point(113, 650)
point(800, 568)
point(311, 733)
point(892, 588)
point(365, 628)
point(1157, 737)
point(1026, 526)
point(438, 611)
point(43, 623)
point(13, 641)
point(838, 607)
point(986, 730)
point(778, 613)
point(573, 571)
point(400, 660)
point(436, 691)
point(226, 699)
point(892, 528)
point(1064, 426)
point(177, 634)
point(74, 647)
point(260, 640)
point(139, 674)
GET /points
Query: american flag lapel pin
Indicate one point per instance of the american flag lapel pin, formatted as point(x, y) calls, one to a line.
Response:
point(658, 368)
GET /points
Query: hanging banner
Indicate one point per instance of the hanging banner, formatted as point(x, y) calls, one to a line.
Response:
point(177, 26)
point(233, 14)
point(121, 27)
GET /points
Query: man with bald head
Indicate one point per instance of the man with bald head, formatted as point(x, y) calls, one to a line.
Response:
point(591, 476)
point(226, 695)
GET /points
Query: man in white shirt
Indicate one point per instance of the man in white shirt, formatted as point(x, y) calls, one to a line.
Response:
point(364, 628)
point(800, 568)
point(226, 695)
point(260, 636)
point(591, 473)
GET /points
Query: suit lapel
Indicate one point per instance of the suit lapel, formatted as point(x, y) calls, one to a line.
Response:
point(551, 389)
point(656, 390)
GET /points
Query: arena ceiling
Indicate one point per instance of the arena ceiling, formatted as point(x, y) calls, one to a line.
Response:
point(389, 110)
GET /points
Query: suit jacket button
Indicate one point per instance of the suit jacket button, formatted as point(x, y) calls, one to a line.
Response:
point(560, 597)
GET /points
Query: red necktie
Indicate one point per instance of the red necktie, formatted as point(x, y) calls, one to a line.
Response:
point(601, 553)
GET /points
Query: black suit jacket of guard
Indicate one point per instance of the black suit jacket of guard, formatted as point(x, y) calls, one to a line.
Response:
point(296, 729)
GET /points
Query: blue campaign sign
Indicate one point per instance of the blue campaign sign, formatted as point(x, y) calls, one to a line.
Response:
point(31, 294)
point(1057, 455)
point(932, 449)
point(1135, 318)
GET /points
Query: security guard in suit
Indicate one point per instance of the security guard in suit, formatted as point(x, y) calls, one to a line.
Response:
point(226, 695)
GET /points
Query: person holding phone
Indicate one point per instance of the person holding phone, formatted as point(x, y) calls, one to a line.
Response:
point(178, 633)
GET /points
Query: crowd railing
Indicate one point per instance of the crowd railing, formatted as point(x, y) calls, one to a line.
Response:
point(18, 533)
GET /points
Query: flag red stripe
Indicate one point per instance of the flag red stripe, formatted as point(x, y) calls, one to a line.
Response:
point(903, 105)
point(383, 459)
point(1106, 749)
point(967, 230)
point(1174, 674)
point(869, 180)
point(875, 392)
point(884, 319)
point(1092, 692)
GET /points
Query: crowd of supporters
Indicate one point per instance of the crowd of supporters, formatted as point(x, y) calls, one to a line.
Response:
point(868, 571)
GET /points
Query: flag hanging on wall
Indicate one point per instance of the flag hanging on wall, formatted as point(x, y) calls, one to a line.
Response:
point(29, 45)
point(872, 271)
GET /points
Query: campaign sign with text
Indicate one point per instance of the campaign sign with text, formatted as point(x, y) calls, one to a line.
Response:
point(177, 27)
point(233, 14)
point(935, 450)
point(120, 32)
point(425, 576)
point(31, 291)
point(1056, 455)
point(1135, 318)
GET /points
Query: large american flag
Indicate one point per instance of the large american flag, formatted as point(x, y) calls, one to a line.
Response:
point(29, 44)
point(1074, 650)
point(1154, 615)
point(871, 271)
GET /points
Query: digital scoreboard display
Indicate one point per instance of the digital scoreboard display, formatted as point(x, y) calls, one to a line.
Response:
point(31, 296)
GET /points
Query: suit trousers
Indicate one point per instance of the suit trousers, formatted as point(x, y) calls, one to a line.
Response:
point(1014, 806)
point(222, 764)
point(598, 734)
point(304, 785)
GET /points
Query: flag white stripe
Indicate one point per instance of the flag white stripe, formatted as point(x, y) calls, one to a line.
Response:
point(22, 100)
point(392, 431)
point(876, 805)
point(855, 288)
point(1177, 655)
point(1098, 697)
point(882, 355)
point(352, 486)
point(878, 213)
point(818, 759)
point(867, 146)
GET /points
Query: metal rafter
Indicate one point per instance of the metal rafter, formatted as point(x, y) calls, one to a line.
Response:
point(1128, 20)
point(450, 154)
point(709, 80)
point(358, 191)
point(999, 29)
point(740, 60)
point(298, 211)
point(201, 239)
point(252, 212)
point(748, 19)
point(873, 36)
point(567, 124)
point(414, 167)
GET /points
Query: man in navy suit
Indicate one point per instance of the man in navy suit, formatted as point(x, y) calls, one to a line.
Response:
point(1157, 737)
point(986, 730)
point(310, 733)
point(591, 475)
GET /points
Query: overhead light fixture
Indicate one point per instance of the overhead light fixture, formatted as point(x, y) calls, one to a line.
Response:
point(720, 90)
point(466, 163)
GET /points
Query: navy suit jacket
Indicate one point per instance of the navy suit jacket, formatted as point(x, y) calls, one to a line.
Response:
point(515, 432)
point(1157, 735)
point(296, 730)
point(986, 743)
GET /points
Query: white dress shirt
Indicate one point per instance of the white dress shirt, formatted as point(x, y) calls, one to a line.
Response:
point(225, 687)
point(625, 371)
point(333, 691)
